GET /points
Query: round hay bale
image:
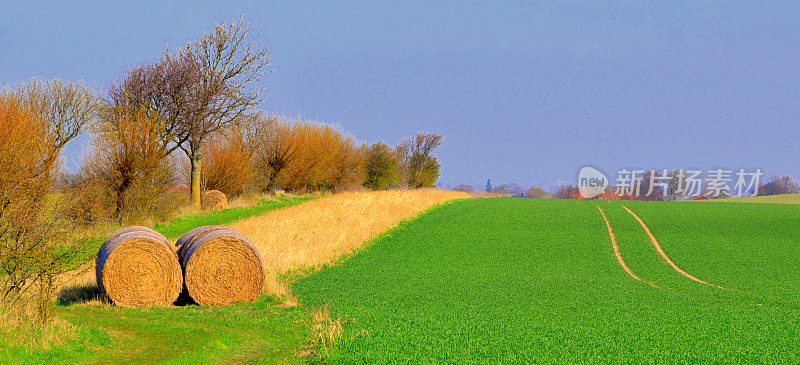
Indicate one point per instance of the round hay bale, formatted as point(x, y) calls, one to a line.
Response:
point(214, 200)
point(137, 267)
point(129, 229)
point(220, 266)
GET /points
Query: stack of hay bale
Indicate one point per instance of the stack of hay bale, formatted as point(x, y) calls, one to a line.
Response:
point(213, 265)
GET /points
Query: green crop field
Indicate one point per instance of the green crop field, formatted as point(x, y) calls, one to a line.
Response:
point(518, 280)
point(501, 280)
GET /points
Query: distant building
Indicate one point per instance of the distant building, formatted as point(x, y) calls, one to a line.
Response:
point(489, 185)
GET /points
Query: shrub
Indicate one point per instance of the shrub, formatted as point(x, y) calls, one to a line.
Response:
point(350, 172)
point(90, 203)
point(35, 246)
point(129, 164)
point(381, 167)
point(268, 139)
point(508, 189)
point(567, 191)
point(779, 185)
point(463, 187)
point(418, 167)
point(227, 162)
point(535, 192)
point(321, 158)
point(314, 149)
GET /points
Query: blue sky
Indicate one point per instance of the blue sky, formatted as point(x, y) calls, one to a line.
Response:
point(523, 92)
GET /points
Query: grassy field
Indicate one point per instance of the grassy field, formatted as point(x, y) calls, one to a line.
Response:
point(486, 280)
point(517, 280)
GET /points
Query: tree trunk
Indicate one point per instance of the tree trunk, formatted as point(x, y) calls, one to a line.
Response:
point(195, 159)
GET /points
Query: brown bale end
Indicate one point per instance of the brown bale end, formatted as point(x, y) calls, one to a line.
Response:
point(137, 267)
point(215, 200)
point(220, 265)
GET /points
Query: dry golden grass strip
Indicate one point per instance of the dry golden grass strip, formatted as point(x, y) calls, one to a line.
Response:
point(137, 267)
point(320, 231)
point(220, 266)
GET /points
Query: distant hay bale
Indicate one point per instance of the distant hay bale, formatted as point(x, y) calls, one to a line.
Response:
point(137, 267)
point(214, 200)
point(220, 266)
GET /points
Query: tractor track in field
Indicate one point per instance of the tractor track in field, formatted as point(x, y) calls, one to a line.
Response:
point(617, 251)
point(664, 254)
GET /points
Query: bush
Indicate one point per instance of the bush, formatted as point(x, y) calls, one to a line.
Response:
point(268, 139)
point(536, 192)
point(779, 185)
point(227, 163)
point(418, 167)
point(350, 172)
point(35, 246)
point(567, 191)
point(90, 204)
point(129, 165)
point(321, 158)
point(381, 167)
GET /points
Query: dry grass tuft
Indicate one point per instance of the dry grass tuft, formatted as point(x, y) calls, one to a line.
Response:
point(327, 331)
point(38, 337)
point(321, 231)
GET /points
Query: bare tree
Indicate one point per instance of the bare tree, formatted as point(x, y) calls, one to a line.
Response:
point(230, 61)
point(779, 185)
point(420, 168)
point(67, 107)
point(567, 191)
point(162, 92)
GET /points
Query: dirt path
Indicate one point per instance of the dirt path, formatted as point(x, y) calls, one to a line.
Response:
point(617, 251)
point(664, 254)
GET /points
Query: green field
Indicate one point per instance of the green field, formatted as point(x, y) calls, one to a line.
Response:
point(500, 280)
point(517, 280)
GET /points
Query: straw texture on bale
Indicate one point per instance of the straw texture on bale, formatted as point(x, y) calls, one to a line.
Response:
point(137, 267)
point(220, 266)
point(215, 200)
